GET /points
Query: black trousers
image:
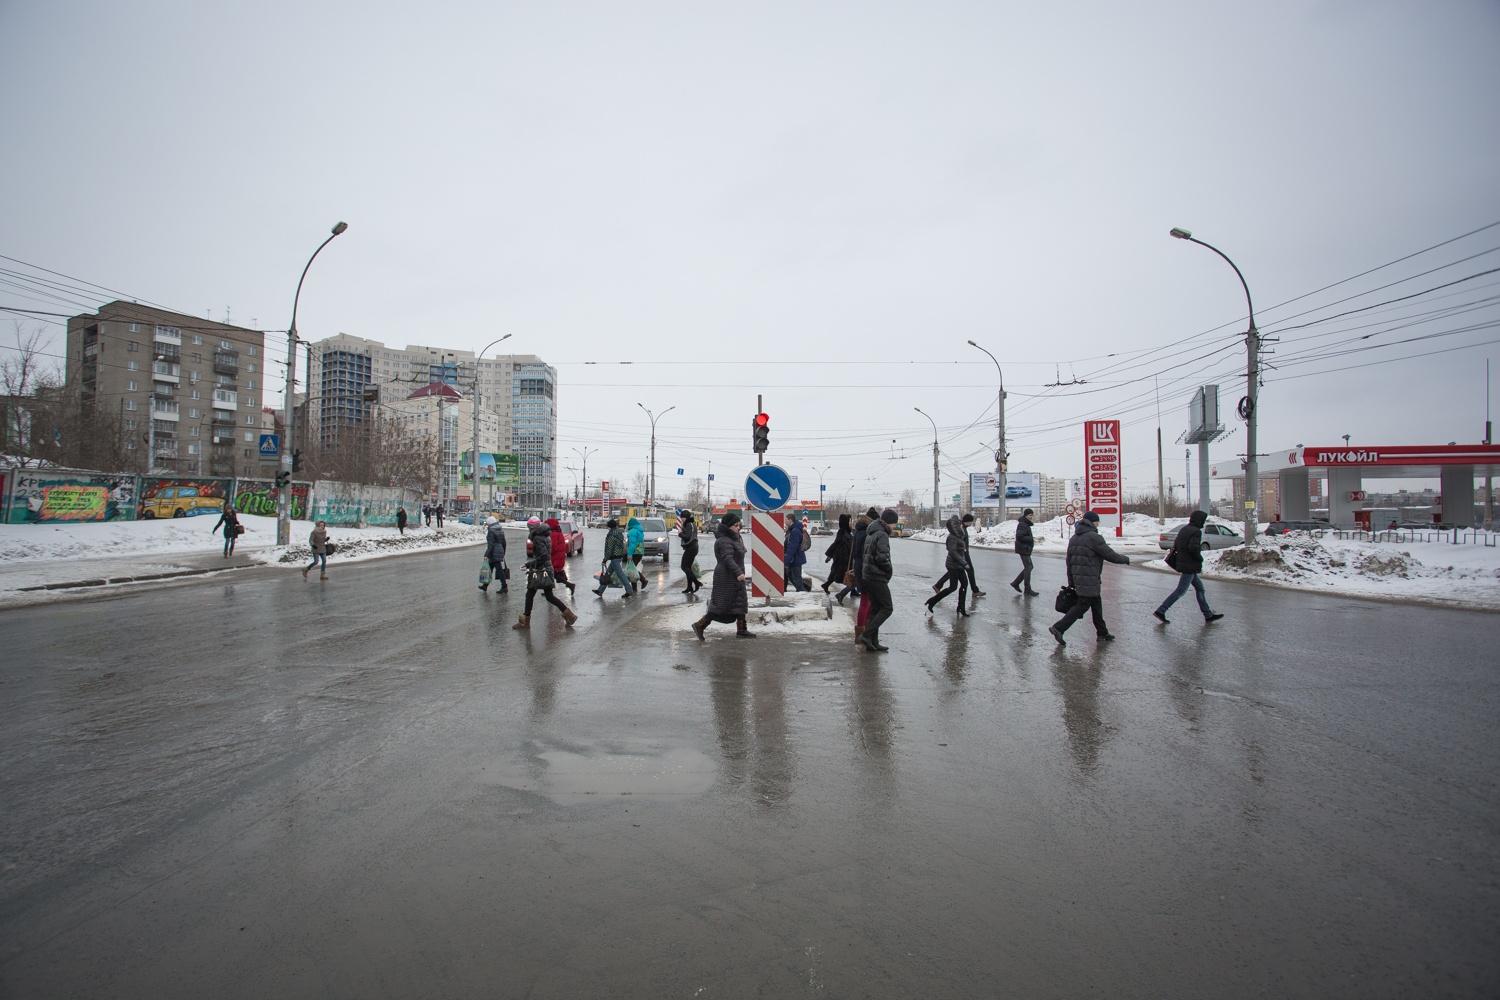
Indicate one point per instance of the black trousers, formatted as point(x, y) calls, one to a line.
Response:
point(950, 582)
point(1077, 611)
point(689, 553)
point(1024, 577)
point(881, 606)
point(547, 593)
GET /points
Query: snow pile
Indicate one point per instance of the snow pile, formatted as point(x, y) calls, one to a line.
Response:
point(793, 615)
point(371, 543)
point(1428, 571)
point(1140, 531)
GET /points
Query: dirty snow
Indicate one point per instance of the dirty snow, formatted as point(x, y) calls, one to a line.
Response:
point(806, 614)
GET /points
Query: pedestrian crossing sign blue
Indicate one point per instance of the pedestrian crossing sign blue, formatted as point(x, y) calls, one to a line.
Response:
point(270, 445)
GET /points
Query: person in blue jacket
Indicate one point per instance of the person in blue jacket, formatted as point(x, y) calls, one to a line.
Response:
point(795, 554)
point(636, 541)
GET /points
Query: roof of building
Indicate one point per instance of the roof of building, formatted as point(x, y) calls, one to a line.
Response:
point(437, 389)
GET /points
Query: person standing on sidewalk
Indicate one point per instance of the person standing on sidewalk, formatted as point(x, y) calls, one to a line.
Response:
point(439, 514)
point(317, 540)
point(613, 566)
point(728, 602)
point(837, 555)
point(401, 520)
point(230, 521)
point(794, 553)
point(1025, 542)
point(539, 574)
point(687, 532)
point(877, 573)
point(560, 548)
point(494, 554)
point(1087, 553)
point(1186, 558)
point(955, 578)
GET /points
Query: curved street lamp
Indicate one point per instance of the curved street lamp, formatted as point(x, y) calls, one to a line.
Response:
point(284, 495)
point(1000, 455)
point(651, 500)
point(1248, 404)
point(936, 506)
point(474, 452)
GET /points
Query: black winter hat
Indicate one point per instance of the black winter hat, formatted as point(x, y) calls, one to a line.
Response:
point(612, 523)
point(968, 518)
point(873, 514)
point(1091, 516)
point(889, 516)
point(732, 518)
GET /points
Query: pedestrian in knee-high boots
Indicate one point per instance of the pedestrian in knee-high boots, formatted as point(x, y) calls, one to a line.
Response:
point(728, 602)
point(957, 576)
point(687, 532)
point(539, 574)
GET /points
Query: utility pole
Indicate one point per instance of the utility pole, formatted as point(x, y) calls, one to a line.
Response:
point(1187, 481)
point(584, 454)
point(1489, 482)
point(936, 500)
point(1161, 500)
point(1000, 455)
point(710, 488)
point(651, 500)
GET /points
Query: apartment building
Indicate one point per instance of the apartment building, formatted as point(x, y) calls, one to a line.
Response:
point(520, 390)
point(188, 391)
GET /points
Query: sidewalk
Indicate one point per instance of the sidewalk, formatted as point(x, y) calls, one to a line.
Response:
point(36, 580)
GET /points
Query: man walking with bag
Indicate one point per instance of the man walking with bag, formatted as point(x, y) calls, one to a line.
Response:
point(876, 576)
point(1025, 542)
point(1186, 558)
point(1087, 553)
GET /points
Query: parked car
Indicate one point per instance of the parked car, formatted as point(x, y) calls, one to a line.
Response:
point(658, 541)
point(180, 501)
point(571, 533)
point(1282, 527)
point(1017, 492)
point(1215, 536)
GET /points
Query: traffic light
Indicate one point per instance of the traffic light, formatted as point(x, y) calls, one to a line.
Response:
point(283, 477)
point(297, 461)
point(760, 432)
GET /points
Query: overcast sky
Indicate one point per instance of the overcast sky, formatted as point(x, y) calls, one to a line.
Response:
point(817, 201)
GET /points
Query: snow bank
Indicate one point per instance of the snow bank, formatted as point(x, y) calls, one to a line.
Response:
point(1140, 531)
point(355, 544)
point(1433, 572)
point(794, 615)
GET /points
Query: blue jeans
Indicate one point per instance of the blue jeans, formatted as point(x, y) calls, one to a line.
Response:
point(319, 557)
point(1185, 580)
point(794, 577)
point(615, 569)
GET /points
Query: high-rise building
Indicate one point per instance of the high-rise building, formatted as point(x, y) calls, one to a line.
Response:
point(519, 389)
point(188, 391)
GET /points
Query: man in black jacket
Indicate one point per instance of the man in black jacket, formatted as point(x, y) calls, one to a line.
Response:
point(1024, 544)
point(1186, 558)
point(876, 575)
point(1087, 553)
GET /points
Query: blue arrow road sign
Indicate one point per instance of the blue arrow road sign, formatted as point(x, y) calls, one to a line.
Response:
point(768, 487)
point(270, 445)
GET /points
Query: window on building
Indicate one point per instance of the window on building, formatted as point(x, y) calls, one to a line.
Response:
point(134, 366)
point(250, 418)
point(252, 354)
point(196, 394)
point(192, 411)
point(197, 339)
point(131, 386)
point(247, 452)
point(249, 437)
point(250, 384)
point(135, 328)
point(193, 431)
point(251, 368)
point(192, 448)
point(132, 346)
point(226, 345)
point(130, 424)
point(130, 404)
point(130, 446)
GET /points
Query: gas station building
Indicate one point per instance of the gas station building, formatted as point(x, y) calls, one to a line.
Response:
point(1346, 469)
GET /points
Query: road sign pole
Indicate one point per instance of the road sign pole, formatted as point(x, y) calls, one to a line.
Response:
point(759, 408)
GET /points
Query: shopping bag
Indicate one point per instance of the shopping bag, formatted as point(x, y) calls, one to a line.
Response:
point(864, 611)
point(484, 573)
point(632, 572)
point(605, 577)
point(696, 570)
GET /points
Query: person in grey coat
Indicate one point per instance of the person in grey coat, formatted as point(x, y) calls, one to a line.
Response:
point(494, 553)
point(1087, 554)
point(728, 602)
point(1186, 558)
point(1025, 542)
point(957, 577)
point(876, 573)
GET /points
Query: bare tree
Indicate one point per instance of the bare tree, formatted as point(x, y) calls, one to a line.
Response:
point(640, 487)
point(697, 494)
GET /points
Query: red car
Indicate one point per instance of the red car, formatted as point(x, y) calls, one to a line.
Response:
point(570, 532)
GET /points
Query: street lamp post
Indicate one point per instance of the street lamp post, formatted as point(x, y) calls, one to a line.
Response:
point(651, 500)
point(936, 505)
point(584, 454)
point(1000, 455)
point(289, 421)
point(1252, 392)
point(474, 453)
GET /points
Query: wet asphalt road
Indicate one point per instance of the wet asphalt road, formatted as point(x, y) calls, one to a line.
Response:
point(373, 787)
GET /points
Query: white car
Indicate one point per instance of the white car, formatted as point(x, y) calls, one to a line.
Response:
point(1215, 536)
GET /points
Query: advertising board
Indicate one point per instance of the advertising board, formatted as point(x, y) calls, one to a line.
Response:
point(1103, 475)
point(1022, 490)
point(503, 470)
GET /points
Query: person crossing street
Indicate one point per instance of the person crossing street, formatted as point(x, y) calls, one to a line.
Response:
point(1186, 558)
point(876, 579)
point(539, 574)
point(1025, 542)
point(728, 602)
point(1087, 554)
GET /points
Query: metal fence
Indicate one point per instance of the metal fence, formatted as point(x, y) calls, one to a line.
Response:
point(1450, 536)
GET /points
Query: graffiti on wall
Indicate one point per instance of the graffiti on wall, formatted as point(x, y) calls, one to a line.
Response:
point(52, 496)
point(182, 497)
point(260, 496)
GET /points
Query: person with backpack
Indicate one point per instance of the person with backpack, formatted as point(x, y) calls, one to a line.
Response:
point(539, 574)
point(794, 554)
point(230, 521)
point(1025, 542)
point(1186, 557)
point(1087, 554)
point(494, 554)
point(559, 555)
point(613, 567)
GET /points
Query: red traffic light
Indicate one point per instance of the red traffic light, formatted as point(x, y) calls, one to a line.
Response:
point(762, 419)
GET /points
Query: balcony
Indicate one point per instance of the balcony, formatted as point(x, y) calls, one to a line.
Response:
point(222, 419)
point(164, 390)
point(225, 399)
point(162, 409)
point(226, 363)
point(166, 352)
point(224, 440)
point(164, 371)
point(168, 335)
point(164, 428)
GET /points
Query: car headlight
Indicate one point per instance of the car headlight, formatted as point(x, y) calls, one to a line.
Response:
point(662, 538)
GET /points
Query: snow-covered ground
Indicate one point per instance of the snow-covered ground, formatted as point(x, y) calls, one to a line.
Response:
point(1432, 572)
point(806, 614)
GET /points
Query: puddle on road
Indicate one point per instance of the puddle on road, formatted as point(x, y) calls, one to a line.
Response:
point(569, 778)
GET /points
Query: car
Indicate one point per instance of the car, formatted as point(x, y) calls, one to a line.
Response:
point(466, 519)
point(180, 501)
point(1282, 527)
point(658, 540)
point(569, 532)
point(1017, 492)
point(1215, 536)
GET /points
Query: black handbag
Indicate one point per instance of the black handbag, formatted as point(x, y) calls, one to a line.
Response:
point(329, 548)
point(539, 578)
point(1171, 559)
point(1066, 598)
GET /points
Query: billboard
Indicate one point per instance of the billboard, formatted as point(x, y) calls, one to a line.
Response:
point(501, 470)
point(1103, 475)
point(1022, 490)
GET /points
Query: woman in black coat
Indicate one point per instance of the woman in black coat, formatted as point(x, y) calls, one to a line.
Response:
point(838, 555)
point(687, 531)
point(728, 603)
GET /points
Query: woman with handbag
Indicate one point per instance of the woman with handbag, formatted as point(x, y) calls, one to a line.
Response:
point(838, 554)
point(687, 531)
point(728, 602)
point(539, 574)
